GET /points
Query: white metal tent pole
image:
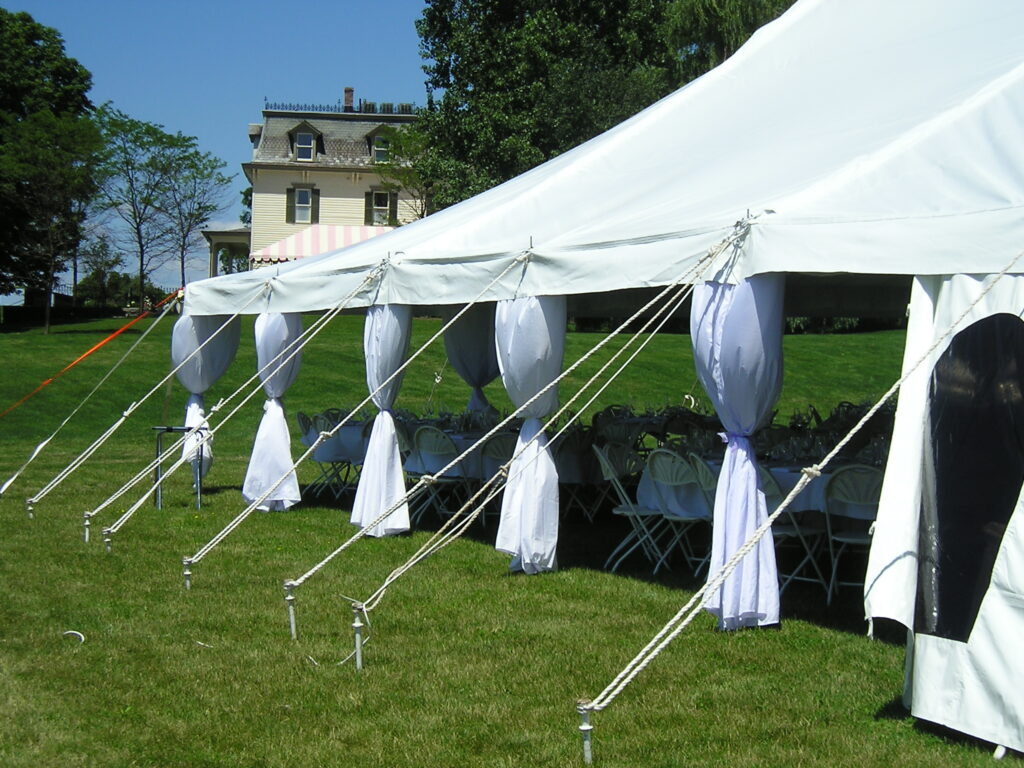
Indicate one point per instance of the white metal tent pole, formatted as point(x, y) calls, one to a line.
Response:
point(67, 471)
point(523, 259)
point(39, 448)
point(205, 433)
point(695, 605)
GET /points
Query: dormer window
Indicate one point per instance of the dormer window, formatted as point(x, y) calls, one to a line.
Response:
point(381, 149)
point(305, 146)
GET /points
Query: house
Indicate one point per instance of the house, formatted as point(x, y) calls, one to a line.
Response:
point(315, 165)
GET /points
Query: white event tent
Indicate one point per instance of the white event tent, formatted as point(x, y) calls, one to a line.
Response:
point(873, 137)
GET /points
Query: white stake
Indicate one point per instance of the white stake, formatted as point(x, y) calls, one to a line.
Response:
point(186, 562)
point(85, 527)
point(357, 627)
point(289, 599)
point(585, 728)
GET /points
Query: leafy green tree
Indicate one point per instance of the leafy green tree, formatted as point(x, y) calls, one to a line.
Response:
point(521, 81)
point(408, 168)
point(48, 153)
point(246, 215)
point(512, 83)
point(193, 195)
point(233, 260)
point(101, 263)
point(704, 33)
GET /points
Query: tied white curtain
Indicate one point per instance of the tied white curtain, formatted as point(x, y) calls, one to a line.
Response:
point(737, 348)
point(530, 341)
point(469, 344)
point(382, 481)
point(201, 370)
point(276, 338)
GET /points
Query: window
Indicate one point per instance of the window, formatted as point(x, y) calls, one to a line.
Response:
point(381, 206)
point(303, 206)
point(305, 146)
point(381, 149)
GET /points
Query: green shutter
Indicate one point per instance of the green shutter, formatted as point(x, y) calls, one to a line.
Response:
point(314, 214)
point(368, 210)
point(289, 206)
point(393, 209)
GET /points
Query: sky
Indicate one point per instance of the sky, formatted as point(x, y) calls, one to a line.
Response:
point(204, 67)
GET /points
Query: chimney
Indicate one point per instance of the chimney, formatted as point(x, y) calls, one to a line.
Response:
point(349, 95)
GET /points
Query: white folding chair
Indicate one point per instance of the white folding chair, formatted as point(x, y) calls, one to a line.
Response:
point(307, 436)
point(851, 505)
point(448, 492)
point(647, 525)
point(683, 503)
point(331, 458)
point(793, 531)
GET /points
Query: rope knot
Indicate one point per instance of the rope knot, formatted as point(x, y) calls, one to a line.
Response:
point(583, 705)
point(428, 479)
point(812, 471)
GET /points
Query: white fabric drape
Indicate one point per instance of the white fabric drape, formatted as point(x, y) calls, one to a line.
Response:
point(469, 344)
point(737, 347)
point(382, 481)
point(530, 342)
point(201, 370)
point(276, 337)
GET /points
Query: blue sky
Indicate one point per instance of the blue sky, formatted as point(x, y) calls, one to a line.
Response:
point(204, 67)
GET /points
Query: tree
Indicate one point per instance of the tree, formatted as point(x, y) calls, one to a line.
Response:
point(194, 193)
point(704, 33)
point(233, 259)
point(48, 153)
point(523, 80)
point(101, 262)
point(246, 215)
point(408, 167)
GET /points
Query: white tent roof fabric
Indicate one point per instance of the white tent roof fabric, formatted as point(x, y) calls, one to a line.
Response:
point(881, 136)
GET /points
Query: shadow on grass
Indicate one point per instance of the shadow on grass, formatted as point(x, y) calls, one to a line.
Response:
point(894, 710)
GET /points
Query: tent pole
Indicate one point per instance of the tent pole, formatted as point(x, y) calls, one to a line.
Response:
point(583, 707)
point(357, 628)
point(289, 599)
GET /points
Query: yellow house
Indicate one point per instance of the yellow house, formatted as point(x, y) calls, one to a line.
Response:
point(315, 165)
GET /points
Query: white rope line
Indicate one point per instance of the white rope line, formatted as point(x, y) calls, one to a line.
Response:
point(39, 448)
point(206, 433)
point(740, 230)
point(67, 471)
point(442, 538)
point(667, 634)
point(202, 552)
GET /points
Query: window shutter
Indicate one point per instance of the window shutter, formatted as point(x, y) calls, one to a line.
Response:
point(393, 209)
point(368, 210)
point(314, 217)
point(289, 206)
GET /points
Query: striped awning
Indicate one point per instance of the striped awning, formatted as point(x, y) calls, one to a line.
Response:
point(313, 240)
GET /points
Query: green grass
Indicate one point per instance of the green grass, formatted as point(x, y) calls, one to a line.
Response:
point(466, 665)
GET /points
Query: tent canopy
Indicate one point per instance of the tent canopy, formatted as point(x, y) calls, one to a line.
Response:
point(870, 137)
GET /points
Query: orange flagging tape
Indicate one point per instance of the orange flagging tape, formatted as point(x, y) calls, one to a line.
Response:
point(84, 355)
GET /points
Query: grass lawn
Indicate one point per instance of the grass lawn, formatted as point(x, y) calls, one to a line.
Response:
point(466, 665)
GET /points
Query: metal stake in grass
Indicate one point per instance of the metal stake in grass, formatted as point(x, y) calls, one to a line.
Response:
point(583, 707)
point(28, 508)
point(186, 562)
point(357, 627)
point(107, 541)
point(289, 599)
point(85, 527)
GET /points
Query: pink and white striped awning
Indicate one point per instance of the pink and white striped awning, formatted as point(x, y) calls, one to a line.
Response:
point(313, 240)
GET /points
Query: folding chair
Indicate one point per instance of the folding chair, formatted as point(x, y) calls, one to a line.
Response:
point(331, 458)
point(647, 525)
point(307, 436)
point(706, 475)
point(851, 504)
point(571, 454)
point(436, 450)
point(793, 531)
point(683, 503)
